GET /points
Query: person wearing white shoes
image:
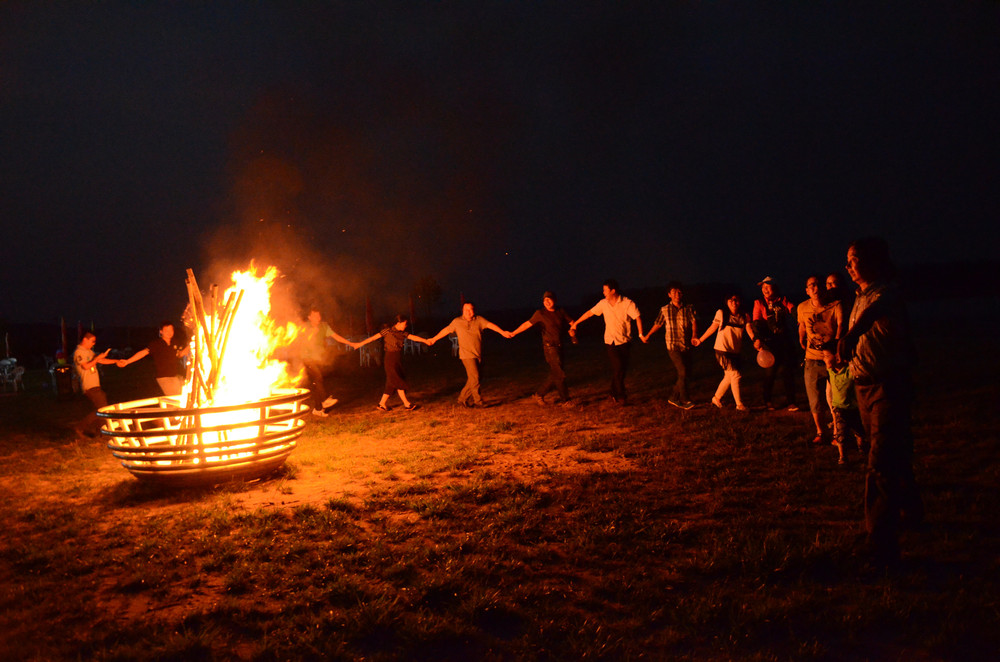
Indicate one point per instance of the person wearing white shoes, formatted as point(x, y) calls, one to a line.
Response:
point(313, 354)
point(680, 328)
point(730, 325)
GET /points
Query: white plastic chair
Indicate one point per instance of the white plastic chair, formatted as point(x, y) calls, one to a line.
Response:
point(12, 375)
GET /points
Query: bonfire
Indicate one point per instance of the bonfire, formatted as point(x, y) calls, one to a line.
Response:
point(239, 413)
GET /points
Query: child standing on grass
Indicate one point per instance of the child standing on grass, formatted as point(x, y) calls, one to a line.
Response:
point(728, 345)
point(395, 337)
point(843, 404)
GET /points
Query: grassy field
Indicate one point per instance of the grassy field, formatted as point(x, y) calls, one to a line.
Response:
point(512, 532)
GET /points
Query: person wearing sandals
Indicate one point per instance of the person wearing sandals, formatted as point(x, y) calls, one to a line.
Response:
point(821, 323)
point(395, 337)
point(844, 404)
point(728, 344)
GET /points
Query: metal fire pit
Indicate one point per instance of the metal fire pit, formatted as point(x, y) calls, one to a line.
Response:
point(158, 440)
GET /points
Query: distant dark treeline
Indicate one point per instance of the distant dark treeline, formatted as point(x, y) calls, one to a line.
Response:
point(921, 282)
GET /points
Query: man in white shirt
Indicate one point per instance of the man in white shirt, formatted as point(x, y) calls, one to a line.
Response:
point(618, 312)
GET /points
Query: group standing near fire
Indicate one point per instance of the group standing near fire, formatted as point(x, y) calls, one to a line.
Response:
point(857, 369)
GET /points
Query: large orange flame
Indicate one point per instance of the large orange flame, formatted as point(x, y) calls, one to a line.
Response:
point(247, 365)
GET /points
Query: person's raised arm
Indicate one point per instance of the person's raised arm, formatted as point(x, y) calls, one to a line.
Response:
point(586, 316)
point(339, 338)
point(493, 327)
point(524, 327)
point(138, 356)
point(362, 343)
point(656, 327)
point(440, 334)
point(708, 332)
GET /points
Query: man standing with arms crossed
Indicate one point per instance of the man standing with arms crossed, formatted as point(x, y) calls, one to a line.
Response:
point(618, 312)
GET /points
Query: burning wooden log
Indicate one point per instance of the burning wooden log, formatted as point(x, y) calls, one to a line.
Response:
point(205, 440)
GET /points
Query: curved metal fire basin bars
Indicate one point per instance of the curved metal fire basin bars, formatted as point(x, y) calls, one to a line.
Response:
point(158, 440)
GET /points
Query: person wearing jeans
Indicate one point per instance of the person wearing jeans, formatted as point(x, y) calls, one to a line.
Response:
point(680, 331)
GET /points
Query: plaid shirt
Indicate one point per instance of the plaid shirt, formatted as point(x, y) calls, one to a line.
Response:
point(678, 325)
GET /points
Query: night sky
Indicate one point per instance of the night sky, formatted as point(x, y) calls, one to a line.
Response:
point(499, 148)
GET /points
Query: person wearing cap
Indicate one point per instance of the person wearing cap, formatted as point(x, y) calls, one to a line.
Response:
point(618, 312)
point(553, 322)
point(820, 324)
point(469, 330)
point(881, 355)
point(771, 314)
point(680, 331)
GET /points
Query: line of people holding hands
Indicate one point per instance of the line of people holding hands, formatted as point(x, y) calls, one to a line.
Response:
point(858, 358)
point(857, 364)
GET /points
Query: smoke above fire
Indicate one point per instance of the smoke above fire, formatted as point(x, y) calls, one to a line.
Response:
point(352, 211)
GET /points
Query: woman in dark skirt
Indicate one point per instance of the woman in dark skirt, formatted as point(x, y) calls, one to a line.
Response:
point(395, 337)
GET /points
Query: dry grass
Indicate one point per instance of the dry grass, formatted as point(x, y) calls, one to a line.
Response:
point(511, 532)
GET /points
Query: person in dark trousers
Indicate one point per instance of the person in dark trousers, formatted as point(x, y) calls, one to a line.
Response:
point(881, 353)
point(395, 337)
point(165, 354)
point(771, 317)
point(618, 312)
point(554, 323)
point(86, 362)
point(680, 330)
point(313, 350)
